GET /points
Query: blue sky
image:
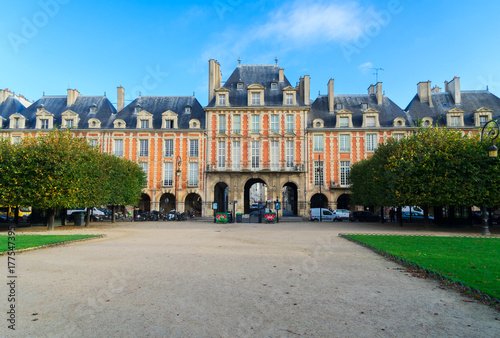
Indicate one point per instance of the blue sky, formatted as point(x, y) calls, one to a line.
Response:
point(163, 47)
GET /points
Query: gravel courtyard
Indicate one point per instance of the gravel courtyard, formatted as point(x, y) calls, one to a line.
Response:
point(196, 279)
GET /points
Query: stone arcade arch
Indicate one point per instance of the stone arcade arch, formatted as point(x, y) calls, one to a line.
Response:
point(145, 203)
point(289, 199)
point(221, 192)
point(193, 203)
point(167, 202)
point(319, 201)
point(343, 202)
point(246, 196)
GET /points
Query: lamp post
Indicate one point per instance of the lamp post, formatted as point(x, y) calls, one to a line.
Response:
point(491, 130)
point(234, 203)
point(320, 176)
point(178, 164)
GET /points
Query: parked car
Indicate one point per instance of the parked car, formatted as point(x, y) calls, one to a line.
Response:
point(344, 213)
point(364, 216)
point(326, 215)
point(478, 219)
point(97, 215)
point(416, 217)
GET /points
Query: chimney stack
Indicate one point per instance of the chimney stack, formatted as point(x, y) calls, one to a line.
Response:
point(121, 98)
point(454, 89)
point(371, 90)
point(281, 75)
point(424, 92)
point(4, 94)
point(378, 92)
point(300, 87)
point(435, 89)
point(307, 90)
point(72, 96)
point(331, 99)
point(214, 78)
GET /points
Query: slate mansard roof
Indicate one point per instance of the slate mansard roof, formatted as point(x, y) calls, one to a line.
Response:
point(263, 75)
point(157, 105)
point(442, 102)
point(388, 110)
point(58, 104)
point(8, 107)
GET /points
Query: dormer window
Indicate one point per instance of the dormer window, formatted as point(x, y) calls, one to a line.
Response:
point(17, 121)
point(289, 98)
point(93, 109)
point(482, 120)
point(482, 116)
point(44, 119)
point(169, 120)
point(344, 119)
point(144, 124)
point(455, 117)
point(144, 120)
point(339, 106)
point(95, 123)
point(274, 85)
point(344, 122)
point(44, 123)
point(222, 99)
point(370, 121)
point(69, 124)
point(187, 110)
point(370, 118)
point(137, 109)
point(255, 99)
point(119, 123)
point(364, 106)
point(69, 119)
point(239, 85)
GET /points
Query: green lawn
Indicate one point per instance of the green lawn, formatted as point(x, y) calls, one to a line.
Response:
point(472, 261)
point(29, 241)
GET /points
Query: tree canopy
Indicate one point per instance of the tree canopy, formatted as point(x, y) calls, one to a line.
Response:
point(432, 167)
point(59, 170)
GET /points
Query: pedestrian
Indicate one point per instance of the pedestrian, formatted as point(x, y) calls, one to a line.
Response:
point(392, 214)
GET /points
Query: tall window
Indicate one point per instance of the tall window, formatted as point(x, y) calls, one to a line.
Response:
point(94, 142)
point(344, 142)
point(289, 98)
point(289, 153)
point(275, 124)
point(482, 120)
point(222, 155)
point(255, 124)
point(69, 123)
point(119, 148)
point(193, 148)
point(16, 123)
point(169, 124)
point(236, 155)
point(275, 155)
point(45, 124)
point(370, 121)
point(16, 139)
point(144, 167)
point(344, 122)
point(344, 173)
point(222, 99)
point(143, 148)
point(144, 124)
point(371, 142)
point(193, 174)
point(255, 99)
point(255, 154)
point(168, 174)
point(289, 123)
point(318, 173)
point(169, 148)
point(318, 143)
point(454, 121)
point(222, 124)
point(237, 124)
point(399, 136)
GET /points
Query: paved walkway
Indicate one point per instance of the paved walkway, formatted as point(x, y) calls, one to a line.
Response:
point(194, 279)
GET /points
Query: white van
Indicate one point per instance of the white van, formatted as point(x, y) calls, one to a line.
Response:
point(326, 215)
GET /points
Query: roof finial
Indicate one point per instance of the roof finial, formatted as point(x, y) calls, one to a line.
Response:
point(239, 61)
point(487, 89)
point(276, 60)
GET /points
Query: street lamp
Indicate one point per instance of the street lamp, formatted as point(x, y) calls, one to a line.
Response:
point(177, 174)
point(491, 130)
point(320, 176)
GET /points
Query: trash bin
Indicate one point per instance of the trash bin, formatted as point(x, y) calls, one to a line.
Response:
point(230, 217)
point(239, 217)
point(79, 218)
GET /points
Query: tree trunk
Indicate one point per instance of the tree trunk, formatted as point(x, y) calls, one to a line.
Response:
point(16, 215)
point(50, 219)
point(87, 217)
point(382, 215)
point(400, 216)
point(64, 213)
point(113, 218)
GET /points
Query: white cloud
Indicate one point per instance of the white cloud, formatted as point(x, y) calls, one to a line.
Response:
point(305, 23)
point(365, 67)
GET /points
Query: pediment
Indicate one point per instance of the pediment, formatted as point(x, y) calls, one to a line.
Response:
point(256, 86)
point(343, 112)
point(169, 113)
point(455, 111)
point(371, 111)
point(483, 110)
point(43, 112)
point(16, 115)
point(289, 88)
point(222, 89)
point(144, 113)
point(69, 113)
